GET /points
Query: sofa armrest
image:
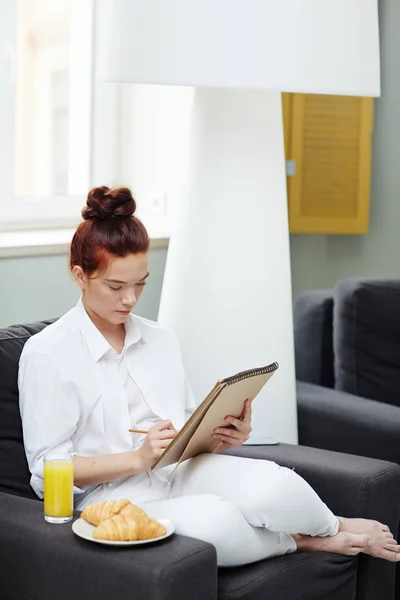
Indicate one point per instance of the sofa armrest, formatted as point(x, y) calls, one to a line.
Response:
point(335, 420)
point(352, 486)
point(43, 561)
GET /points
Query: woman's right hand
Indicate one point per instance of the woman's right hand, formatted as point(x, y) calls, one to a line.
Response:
point(157, 439)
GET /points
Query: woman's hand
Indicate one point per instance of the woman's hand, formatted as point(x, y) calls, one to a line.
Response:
point(238, 430)
point(157, 439)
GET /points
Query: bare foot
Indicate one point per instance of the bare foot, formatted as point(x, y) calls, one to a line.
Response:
point(382, 546)
point(348, 544)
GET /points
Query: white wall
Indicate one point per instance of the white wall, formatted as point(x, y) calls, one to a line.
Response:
point(154, 124)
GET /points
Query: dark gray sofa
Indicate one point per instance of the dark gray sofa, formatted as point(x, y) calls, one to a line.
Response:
point(347, 346)
point(46, 562)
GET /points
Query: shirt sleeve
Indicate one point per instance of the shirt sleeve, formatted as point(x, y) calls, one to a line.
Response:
point(49, 409)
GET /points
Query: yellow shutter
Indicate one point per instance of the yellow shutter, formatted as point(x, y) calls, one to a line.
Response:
point(329, 138)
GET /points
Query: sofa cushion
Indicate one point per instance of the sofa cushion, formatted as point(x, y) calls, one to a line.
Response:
point(313, 323)
point(367, 338)
point(300, 576)
point(14, 473)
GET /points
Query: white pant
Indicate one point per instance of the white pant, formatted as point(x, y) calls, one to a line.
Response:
point(246, 508)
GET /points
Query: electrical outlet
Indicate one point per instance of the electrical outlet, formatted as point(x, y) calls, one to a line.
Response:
point(157, 202)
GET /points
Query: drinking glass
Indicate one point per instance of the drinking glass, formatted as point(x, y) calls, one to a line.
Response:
point(58, 488)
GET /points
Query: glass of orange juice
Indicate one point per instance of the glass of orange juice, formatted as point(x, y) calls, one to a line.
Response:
point(58, 488)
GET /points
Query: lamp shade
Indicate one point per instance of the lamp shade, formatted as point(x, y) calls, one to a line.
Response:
point(313, 46)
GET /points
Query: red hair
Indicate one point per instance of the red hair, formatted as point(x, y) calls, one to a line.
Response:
point(109, 230)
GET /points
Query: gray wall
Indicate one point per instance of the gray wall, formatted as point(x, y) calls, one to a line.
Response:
point(323, 260)
point(41, 288)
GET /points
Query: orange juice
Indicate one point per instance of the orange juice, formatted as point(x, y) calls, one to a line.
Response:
point(58, 489)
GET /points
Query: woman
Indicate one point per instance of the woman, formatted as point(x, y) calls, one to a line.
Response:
point(98, 371)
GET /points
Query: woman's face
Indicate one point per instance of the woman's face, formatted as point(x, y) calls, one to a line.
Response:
point(113, 293)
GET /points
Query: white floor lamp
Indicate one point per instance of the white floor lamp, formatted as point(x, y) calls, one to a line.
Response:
point(227, 290)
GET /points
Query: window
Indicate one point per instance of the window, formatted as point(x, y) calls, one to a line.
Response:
point(59, 119)
point(63, 132)
point(46, 68)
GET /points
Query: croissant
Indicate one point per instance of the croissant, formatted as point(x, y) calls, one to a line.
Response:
point(129, 528)
point(100, 511)
point(131, 510)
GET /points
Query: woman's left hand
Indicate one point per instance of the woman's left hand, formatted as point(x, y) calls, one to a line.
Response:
point(238, 430)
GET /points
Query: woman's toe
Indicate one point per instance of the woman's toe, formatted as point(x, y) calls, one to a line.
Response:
point(391, 541)
point(392, 547)
point(391, 556)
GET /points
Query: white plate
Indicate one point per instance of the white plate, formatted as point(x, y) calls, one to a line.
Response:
point(85, 530)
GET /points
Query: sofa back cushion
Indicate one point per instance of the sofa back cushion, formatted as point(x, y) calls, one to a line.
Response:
point(313, 344)
point(367, 338)
point(14, 473)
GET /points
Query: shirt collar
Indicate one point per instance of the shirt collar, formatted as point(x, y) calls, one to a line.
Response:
point(96, 342)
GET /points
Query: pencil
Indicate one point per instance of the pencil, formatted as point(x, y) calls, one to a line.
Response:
point(138, 431)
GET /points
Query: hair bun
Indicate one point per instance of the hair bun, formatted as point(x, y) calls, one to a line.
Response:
point(105, 203)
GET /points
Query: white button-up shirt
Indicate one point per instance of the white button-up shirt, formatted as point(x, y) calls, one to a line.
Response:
point(73, 399)
point(140, 414)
